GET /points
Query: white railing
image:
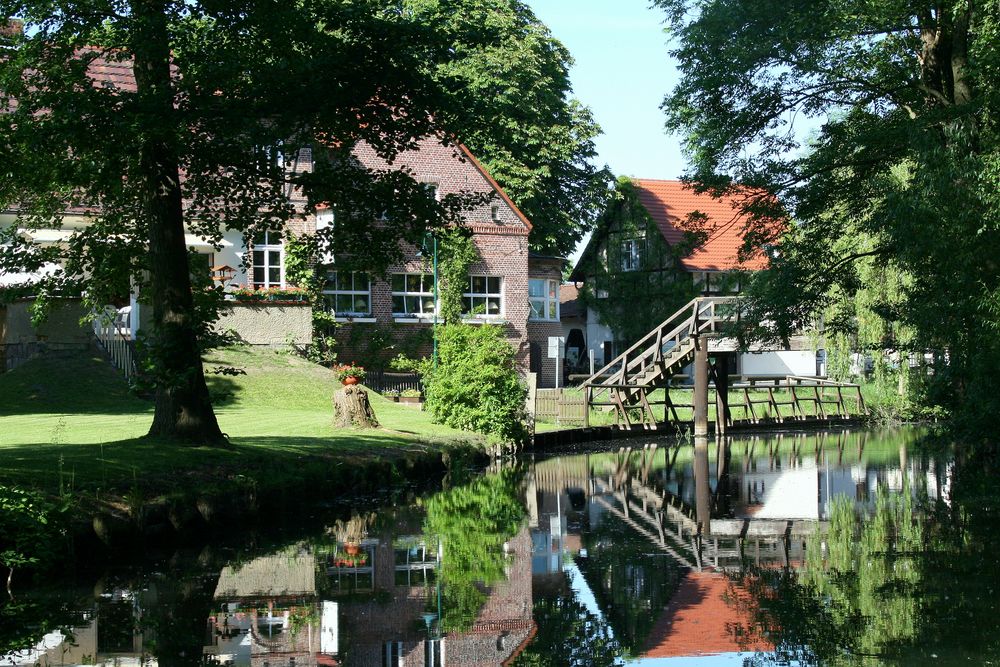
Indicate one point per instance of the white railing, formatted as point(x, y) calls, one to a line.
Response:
point(113, 331)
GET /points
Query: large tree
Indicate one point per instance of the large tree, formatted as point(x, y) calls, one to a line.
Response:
point(509, 82)
point(875, 126)
point(154, 118)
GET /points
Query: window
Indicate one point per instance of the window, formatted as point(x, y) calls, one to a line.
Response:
point(412, 294)
point(483, 297)
point(392, 655)
point(544, 298)
point(630, 255)
point(348, 293)
point(433, 650)
point(715, 282)
point(268, 261)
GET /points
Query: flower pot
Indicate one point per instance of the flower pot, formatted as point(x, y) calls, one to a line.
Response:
point(352, 549)
point(350, 379)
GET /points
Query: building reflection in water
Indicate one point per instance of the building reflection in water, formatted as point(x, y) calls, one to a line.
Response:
point(308, 606)
point(660, 533)
point(638, 541)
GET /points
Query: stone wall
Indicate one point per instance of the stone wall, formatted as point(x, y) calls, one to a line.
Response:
point(61, 332)
point(273, 324)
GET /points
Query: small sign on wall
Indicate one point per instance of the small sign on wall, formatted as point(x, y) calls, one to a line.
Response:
point(555, 345)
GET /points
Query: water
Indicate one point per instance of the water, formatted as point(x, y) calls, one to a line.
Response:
point(837, 548)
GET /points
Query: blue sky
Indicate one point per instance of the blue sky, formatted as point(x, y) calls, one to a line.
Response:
point(622, 72)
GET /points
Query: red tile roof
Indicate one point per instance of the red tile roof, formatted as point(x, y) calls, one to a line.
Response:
point(703, 618)
point(116, 74)
point(670, 202)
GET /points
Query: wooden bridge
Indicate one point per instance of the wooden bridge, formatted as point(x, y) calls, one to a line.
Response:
point(641, 376)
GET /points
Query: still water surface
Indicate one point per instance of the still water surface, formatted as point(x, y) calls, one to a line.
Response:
point(864, 547)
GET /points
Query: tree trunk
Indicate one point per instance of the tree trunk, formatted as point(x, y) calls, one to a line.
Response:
point(353, 409)
point(183, 409)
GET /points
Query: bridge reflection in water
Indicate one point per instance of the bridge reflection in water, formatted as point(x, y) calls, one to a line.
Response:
point(656, 528)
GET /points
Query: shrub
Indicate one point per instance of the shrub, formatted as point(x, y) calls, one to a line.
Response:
point(475, 386)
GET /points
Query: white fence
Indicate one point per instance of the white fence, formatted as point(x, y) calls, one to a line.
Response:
point(113, 330)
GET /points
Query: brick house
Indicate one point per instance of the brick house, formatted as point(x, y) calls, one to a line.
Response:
point(507, 286)
point(637, 259)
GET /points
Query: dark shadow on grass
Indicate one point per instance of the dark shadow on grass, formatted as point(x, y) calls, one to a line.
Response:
point(155, 466)
point(84, 384)
point(222, 388)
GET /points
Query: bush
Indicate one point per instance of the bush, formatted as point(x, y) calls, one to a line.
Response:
point(475, 386)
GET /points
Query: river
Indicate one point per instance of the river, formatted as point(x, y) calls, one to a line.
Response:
point(840, 547)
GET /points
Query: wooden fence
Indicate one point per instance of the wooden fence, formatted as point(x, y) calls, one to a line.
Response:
point(565, 407)
point(383, 381)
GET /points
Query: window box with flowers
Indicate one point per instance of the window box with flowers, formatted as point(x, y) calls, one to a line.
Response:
point(350, 373)
point(274, 295)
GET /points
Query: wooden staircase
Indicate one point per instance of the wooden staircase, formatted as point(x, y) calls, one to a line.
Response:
point(625, 384)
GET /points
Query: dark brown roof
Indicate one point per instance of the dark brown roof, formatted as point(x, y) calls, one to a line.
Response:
point(569, 301)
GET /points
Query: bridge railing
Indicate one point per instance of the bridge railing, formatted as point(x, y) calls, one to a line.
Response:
point(702, 315)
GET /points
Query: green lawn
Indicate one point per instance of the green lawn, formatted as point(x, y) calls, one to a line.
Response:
point(75, 422)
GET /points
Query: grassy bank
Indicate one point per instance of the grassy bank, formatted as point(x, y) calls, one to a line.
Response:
point(72, 425)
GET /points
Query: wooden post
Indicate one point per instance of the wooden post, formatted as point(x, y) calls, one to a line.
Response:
point(722, 416)
point(700, 386)
point(702, 492)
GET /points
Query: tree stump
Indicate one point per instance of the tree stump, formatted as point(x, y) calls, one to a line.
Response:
point(353, 409)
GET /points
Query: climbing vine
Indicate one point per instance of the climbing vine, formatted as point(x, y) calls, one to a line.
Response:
point(610, 290)
point(456, 254)
point(301, 254)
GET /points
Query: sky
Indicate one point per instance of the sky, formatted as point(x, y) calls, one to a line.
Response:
point(622, 72)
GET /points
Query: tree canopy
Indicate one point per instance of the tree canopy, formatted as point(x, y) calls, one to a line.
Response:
point(519, 118)
point(875, 127)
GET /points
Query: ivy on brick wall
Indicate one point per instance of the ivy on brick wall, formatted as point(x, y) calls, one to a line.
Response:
point(456, 254)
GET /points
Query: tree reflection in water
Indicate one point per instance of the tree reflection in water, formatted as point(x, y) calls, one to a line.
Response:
point(910, 583)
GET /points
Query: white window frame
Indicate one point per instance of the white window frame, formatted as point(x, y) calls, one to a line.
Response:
point(267, 247)
point(547, 300)
point(405, 293)
point(434, 652)
point(354, 292)
point(631, 256)
point(392, 654)
point(472, 295)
